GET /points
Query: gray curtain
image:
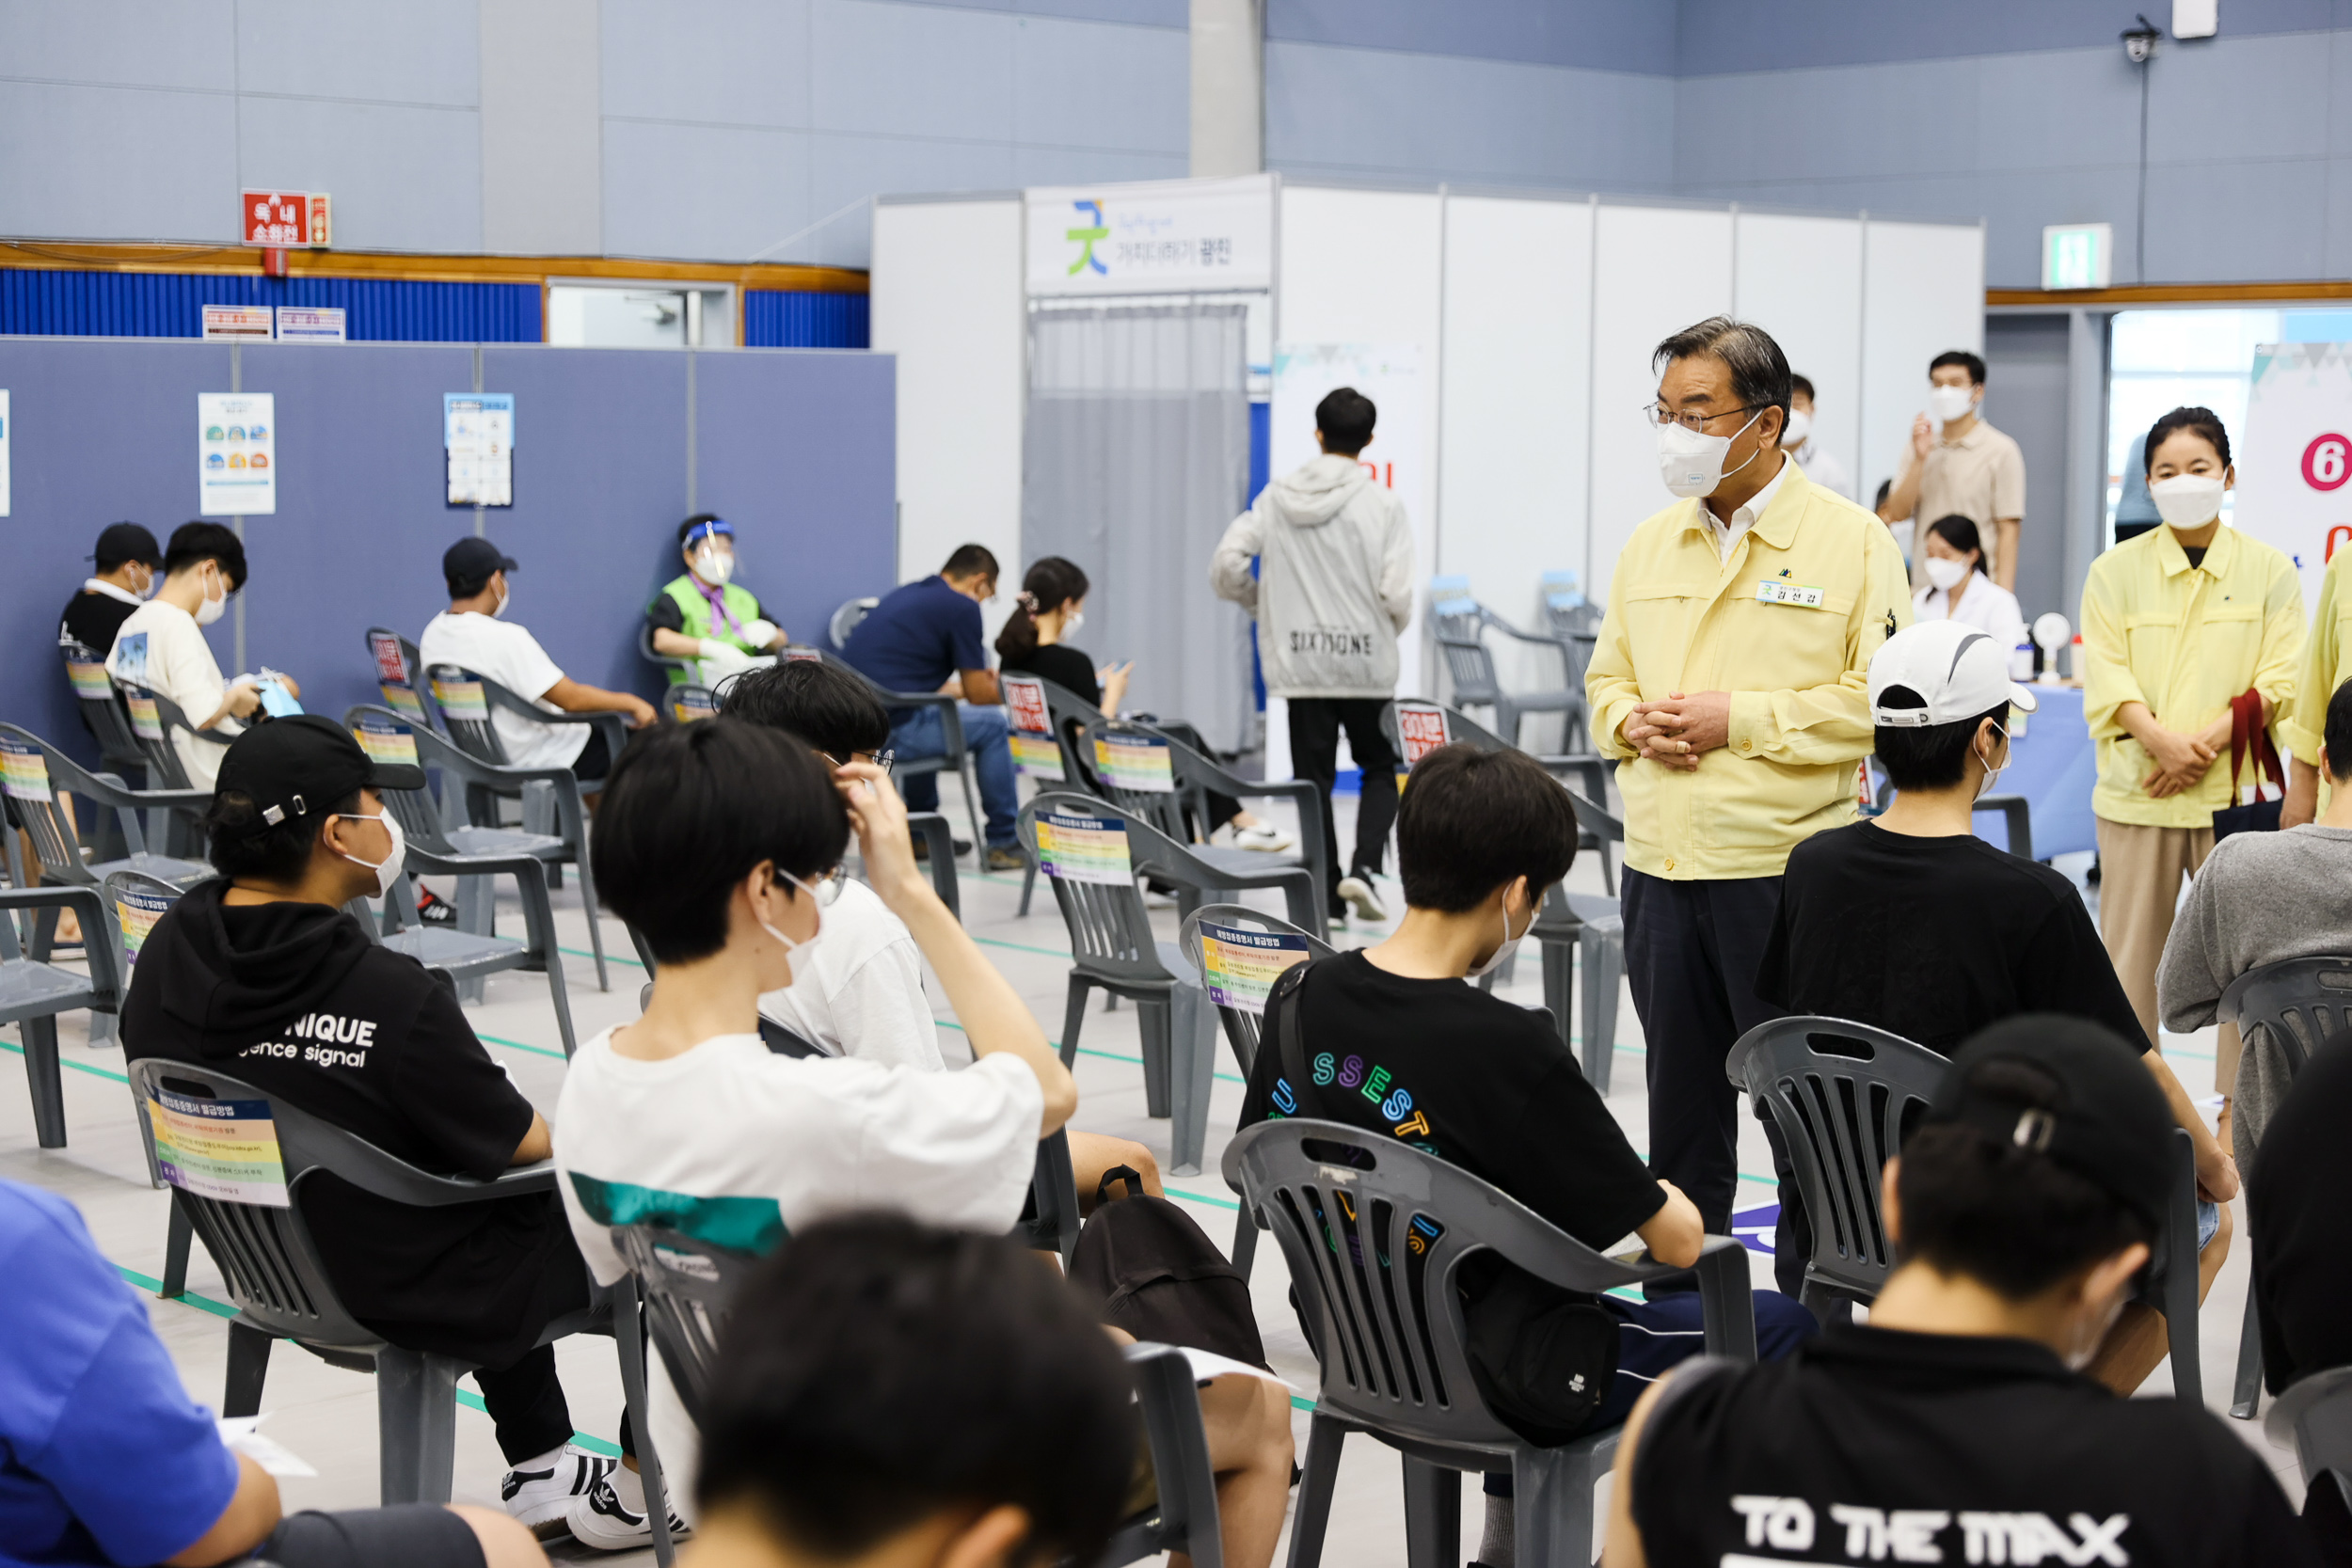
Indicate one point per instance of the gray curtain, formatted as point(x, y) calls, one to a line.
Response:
point(1136, 457)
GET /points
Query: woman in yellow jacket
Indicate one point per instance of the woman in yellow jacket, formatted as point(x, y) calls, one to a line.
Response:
point(2176, 622)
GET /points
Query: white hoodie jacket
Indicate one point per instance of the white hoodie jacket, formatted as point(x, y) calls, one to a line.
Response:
point(1335, 584)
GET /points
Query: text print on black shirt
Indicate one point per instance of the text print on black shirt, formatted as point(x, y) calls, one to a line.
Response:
point(1396, 1104)
point(1911, 1534)
point(335, 1042)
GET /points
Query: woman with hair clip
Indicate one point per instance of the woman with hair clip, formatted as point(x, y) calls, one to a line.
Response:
point(1957, 588)
point(1050, 607)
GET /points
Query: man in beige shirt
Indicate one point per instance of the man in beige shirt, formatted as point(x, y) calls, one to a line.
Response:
point(1971, 469)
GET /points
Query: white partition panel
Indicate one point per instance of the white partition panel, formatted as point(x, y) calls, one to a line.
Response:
point(1364, 268)
point(1922, 293)
point(1800, 280)
point(947, 300)
point(1656, 271)
point(1518, 283)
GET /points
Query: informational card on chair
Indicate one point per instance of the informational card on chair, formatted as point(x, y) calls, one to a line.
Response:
point(386, 743)
point(1132, 761)
point(1033, 749)
point(463, 702)
point(24, 771)
point(225, 1150)
point(1084, 849)
point(136, 913)
point(88, 678)
point(147, 721)
point(1421, 728)
point(1239, 966)
point(689, 702)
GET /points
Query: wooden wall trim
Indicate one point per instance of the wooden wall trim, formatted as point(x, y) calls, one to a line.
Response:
point(247, 259)
point(2174, 293)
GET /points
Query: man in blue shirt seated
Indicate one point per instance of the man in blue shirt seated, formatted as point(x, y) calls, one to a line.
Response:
point(926, 637)
point(105, 1460)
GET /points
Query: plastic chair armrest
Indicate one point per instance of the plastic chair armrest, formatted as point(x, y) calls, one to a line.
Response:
point(370, 1168)
point(104, 973)
point(2019, 814)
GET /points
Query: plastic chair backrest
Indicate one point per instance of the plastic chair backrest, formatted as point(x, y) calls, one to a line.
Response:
point(31, 773)
point(1374, 1232)
point(397, 669)
point(464, 698)
point(845, 620)
point(134, 901)
point(2315, 1414)
point(153, 716)
point(1088, 861)
point(393, 737)
point(1843, 1112)
point(2306, 1004)
point(1237, 989)
point(94, 693)
point(1566, 611)
point(1069, 712)
point(685, 1285)
point(688, 701)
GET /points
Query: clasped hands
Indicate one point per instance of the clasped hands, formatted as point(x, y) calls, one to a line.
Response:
point(1677, 731)
point(2182, 759)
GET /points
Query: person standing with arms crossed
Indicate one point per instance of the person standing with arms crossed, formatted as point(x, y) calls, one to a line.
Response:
point(1730, 684)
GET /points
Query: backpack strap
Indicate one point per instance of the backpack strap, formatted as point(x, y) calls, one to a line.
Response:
point(1285, 1008)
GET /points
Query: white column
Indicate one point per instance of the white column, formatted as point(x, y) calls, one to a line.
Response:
point(542, 127)
point(1228, 88)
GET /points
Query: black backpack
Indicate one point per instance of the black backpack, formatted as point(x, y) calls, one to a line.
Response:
point(1153, 1273)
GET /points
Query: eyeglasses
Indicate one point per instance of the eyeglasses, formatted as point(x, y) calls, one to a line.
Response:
point(879, 759)
point(1692, 419)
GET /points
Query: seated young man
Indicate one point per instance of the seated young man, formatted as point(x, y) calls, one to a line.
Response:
point(161, 644)
point(473, 634)
point(860, 992)
point(248, 973)
point(926, 637)
point(1958, 1426)
point(2260, 898)
point(704, 614)
point(1480, 836)
point(710, 841)
point(892, 1393)
point(127, 559)
point(106, 1460)
point(1909, 922)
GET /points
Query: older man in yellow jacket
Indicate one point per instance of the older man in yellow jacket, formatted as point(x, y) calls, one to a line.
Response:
point(1729, 680)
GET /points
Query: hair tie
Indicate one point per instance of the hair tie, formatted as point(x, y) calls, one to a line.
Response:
point(1026, 600)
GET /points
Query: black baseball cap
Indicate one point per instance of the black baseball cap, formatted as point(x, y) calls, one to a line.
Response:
point(122, 541)
point(473, 561)
point(2111, 1125)
point(300, 766)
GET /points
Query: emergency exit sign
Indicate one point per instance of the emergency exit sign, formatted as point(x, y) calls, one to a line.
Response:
point(283, 219)
point(2078, 256)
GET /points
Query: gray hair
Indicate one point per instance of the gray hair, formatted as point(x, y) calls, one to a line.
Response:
point(1760, 371)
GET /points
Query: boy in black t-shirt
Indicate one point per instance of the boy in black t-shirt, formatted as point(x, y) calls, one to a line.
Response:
point(1911, 923)
point(1394, 1041)
point(262, 975)
point(1958, 1427)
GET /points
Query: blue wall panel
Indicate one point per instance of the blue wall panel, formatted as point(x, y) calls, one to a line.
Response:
point(781, 318)
point(811, 528)
point(170, 305)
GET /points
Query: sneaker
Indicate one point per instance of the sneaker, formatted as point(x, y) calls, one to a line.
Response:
point(433, 910)
point(540, 1492)
point(1356, 891)
point(1262, 836)
point(613, 1518)
point(922, 847)
point(1005, 857)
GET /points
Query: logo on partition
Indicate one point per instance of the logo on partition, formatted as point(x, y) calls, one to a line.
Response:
point(1086, 237)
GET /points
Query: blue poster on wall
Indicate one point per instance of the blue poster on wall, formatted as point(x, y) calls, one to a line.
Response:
point(477, 446)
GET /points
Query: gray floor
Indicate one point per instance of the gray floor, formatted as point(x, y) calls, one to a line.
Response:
point(328, 1417)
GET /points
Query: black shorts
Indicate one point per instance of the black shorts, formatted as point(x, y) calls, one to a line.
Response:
point(595, 758)
point(413, 1535)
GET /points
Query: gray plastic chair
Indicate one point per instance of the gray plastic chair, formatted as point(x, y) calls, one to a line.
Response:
point(54, 841)
point(33, 991)
point(395, 665)
point(1113, 949)
point(154, 718)
point(1385, 1318)
point(1184, 1516)
point(271, 1267)
point(666, 662)
point(2302, 1006)
point(845, 618)
point(1459, 622)
point(688, 701)
point(470, 725)
point(1243, 1024)
point(101, 708)
point(2316, 1415)
point(127, 893)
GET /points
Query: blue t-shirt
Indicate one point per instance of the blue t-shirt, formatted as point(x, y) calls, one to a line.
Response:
point(918, 637)
point(105, 1460)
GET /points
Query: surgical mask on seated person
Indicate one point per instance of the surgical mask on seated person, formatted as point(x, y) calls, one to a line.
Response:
point(1800, 426)
point(795, 952)
point(1951, 403)
point(714, 566)
point(1945, 573)
point(1692, 462)
point(1502, 955)
point(1984, 786)
point(387, 869)
point(2187, 501)
point(212, 610)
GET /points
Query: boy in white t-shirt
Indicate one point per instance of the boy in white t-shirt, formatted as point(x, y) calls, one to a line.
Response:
point(161, 644)
point(861, 992)
point(473, 635)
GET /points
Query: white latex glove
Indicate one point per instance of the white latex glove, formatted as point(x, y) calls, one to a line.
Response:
point(759, 634)
point(722, 659)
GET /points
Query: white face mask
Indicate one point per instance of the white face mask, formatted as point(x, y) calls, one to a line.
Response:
point(1692, 462)
point(1071, 622)
point(794, 952)
point(1502, 955)
point(2187, 501)
point(1951, 403)
point(1945, 572)
point(505, 598)
point(1985, 785)
point(387, 869)
point(714, 566)
point(212, 610)
point(1800, 426)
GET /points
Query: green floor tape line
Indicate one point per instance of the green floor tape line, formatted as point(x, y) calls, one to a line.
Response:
point(517, 1045)
point(609, 958)
point(64, 1060)
point(1204, 1198)
point(1297, 1404)
point(1022, 947)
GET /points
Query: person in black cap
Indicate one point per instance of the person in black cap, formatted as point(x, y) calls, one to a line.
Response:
point(1957, 1427)
point(475, 635)
point(127, 559)
point(261, 974)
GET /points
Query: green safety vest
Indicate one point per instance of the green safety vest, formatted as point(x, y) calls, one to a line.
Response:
point(741, 604)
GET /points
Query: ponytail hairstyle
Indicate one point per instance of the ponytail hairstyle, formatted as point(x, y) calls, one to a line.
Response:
point(1050, 583)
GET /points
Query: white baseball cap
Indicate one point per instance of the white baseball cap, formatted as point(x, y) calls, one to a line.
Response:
point(1961, 672)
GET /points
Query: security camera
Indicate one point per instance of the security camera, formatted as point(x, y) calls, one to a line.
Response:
point(2140, 43)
